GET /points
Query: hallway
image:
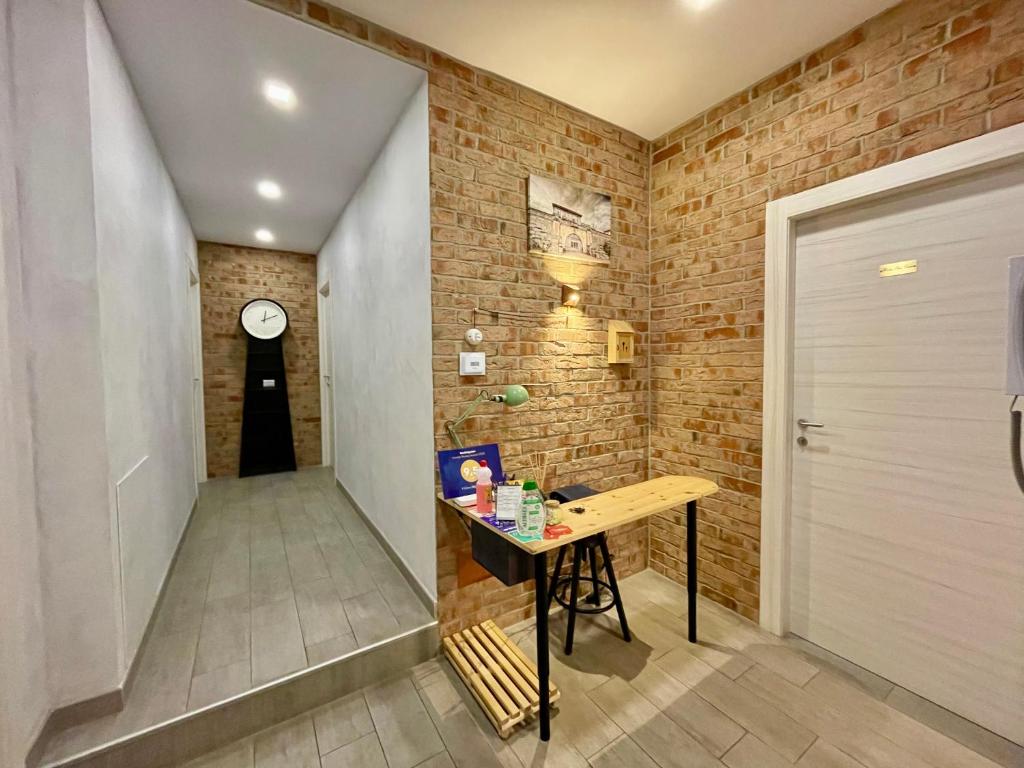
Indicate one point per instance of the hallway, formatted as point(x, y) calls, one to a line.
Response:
point(334, 330)
point(276, 573)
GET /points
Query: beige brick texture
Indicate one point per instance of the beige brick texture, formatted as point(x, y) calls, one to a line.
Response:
point(229, 277)
point(922, 75)
point(687, 265)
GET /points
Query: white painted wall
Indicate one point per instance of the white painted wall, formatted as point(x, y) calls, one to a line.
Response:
point(144, 248)
point(96, 371)
point(52, 147)
point(24, 695)
point(378, 259)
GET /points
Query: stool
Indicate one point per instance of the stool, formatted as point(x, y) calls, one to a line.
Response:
point(587, 549)
point(584, 550)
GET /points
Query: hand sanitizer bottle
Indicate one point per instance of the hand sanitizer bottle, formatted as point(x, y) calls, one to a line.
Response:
point(483, 489)
point(530, 521)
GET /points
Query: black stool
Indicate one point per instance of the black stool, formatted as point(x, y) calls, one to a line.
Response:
point(585, 550)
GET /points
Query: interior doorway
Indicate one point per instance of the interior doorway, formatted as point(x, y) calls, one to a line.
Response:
point(323, 300)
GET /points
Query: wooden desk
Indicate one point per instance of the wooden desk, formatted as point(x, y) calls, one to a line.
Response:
point(602, 513)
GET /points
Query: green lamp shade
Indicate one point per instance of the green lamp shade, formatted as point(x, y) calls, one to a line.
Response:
point(516, 395)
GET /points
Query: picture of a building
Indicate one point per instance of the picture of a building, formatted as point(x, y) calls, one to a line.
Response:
point(569, 222)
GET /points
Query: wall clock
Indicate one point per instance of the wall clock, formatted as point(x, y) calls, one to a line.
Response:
point(267, 444)
point(264, 319)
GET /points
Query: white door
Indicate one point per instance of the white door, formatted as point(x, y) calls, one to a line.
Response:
point(907, 553)
point(326, 371)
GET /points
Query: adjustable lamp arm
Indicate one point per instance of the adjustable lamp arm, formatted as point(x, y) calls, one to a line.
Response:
point(452, 426)
point(513, 396)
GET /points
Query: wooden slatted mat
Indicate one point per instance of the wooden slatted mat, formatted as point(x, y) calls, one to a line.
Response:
point(500, 676)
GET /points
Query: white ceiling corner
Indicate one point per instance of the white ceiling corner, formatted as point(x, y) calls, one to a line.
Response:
point(644, 65)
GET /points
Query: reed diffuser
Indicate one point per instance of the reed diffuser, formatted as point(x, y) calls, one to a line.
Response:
point(538, 467)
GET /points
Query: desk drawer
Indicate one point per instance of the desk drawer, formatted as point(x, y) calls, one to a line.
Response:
point(502, 558)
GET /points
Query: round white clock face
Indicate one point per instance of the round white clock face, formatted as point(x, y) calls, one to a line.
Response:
point(264, 319)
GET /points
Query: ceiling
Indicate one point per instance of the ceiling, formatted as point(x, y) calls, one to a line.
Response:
point(198, 68)
point(645, 65)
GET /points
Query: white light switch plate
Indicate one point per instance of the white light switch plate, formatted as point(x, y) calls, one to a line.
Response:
point(472, 363)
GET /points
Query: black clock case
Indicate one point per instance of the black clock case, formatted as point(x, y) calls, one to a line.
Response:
point(267, 444)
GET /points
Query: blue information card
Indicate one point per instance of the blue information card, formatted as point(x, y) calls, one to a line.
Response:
point(458, 468)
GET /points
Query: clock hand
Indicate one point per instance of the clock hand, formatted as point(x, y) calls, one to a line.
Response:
point(264, 315)
point(269, 318)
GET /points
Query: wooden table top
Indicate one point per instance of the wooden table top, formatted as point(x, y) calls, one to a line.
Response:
point(611, 509)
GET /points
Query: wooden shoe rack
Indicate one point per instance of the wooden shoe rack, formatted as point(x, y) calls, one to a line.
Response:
point(500, 676)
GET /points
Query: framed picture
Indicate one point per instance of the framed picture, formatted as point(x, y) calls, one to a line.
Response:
point(569, 222)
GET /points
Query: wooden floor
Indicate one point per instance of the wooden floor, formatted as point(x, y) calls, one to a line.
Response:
point(276, 573)
point(741, 698)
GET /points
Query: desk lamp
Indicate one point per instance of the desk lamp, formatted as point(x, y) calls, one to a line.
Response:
point(513, 396)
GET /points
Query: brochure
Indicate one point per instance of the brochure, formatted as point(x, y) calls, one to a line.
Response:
point(458, 468)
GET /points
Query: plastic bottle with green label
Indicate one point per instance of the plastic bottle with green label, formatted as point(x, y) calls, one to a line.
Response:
point(530, 520)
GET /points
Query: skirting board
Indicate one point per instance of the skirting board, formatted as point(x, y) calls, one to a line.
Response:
point(95, 707)
point(133, 668)
point(70, 715)
point(428, 602)
point(196, 733)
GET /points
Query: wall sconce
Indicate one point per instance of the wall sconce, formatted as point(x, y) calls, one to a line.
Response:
point(570, 296)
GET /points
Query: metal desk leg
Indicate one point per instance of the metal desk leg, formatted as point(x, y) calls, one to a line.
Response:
point(691, 568)
point(540, 574)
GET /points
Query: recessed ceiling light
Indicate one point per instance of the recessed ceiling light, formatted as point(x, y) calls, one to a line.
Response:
point(279, 94)
point(269, 189)
point(264, 235)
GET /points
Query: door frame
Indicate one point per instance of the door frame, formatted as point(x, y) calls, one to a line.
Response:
point(992, 150)
point(195, 311)
point(326, 340)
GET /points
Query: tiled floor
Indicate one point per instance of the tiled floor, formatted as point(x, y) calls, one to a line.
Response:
point(741, 698)
point(276, 573)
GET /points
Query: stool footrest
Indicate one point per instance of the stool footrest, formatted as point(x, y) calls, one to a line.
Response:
point(564, 582)
point(587, 549)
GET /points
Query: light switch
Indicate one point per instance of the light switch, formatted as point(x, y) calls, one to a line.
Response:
point(472, 363)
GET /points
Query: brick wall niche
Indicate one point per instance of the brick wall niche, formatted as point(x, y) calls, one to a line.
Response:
point(230, 276)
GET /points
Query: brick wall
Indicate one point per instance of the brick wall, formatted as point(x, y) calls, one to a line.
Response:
point(487, 135)
point(924, 74)
point(229, 277)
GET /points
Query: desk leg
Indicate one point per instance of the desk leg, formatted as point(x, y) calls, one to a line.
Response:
point(540, 574)
point(691, 568)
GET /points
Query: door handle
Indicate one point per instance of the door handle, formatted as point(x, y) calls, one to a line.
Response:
point(804, 424)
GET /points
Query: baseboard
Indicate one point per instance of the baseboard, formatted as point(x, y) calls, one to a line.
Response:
point(37, 742)
point(133, 667)
point(70, 715)
point(428, 602)
point(196, 733)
